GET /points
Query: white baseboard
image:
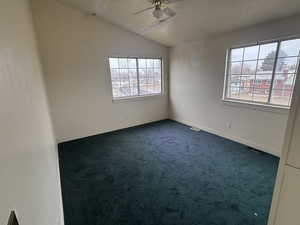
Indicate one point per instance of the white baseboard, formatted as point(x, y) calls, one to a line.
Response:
point(275, 152)
point(98, 132)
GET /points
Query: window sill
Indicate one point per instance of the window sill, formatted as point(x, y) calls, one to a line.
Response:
point(257, 106)
point(136, 98)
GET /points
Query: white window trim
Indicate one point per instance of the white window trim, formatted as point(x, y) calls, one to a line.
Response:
point(136, 97)
point(256, 106)
point(272, 107)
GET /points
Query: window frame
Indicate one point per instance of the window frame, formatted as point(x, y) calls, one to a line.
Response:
point(138, 96)
point(267, 104)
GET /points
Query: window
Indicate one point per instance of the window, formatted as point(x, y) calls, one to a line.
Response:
point(132, 77)
point(263, 73)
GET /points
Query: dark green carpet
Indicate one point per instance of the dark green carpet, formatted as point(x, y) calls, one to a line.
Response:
point(164, 174)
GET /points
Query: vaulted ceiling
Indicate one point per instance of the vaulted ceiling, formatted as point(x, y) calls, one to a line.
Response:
point(195, 19)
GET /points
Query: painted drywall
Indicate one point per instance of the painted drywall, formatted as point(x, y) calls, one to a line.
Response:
point(196, 89)
point(29, 174)
point(74, 48)
point(194, 18)
point(283, 210)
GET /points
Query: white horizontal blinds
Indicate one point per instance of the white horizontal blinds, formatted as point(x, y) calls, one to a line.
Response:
point(263, 73)
point(135, 77)
point(124, 77)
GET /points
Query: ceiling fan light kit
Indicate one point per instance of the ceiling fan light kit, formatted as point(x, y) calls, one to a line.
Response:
point(161, 8)
point(158, 13)
point(161, 11)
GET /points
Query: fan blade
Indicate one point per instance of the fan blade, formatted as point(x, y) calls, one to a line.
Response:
point(143, 10)
point(172, 1)
point(169, 12)
point(155, 25)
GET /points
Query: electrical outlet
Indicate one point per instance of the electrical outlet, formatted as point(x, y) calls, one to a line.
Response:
point(228, 125)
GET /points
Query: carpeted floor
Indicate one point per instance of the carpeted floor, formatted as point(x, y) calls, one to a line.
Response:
point(164, 174)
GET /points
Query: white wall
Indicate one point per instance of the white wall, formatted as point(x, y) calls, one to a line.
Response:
point(29, 176)
point(74, 48)
point(196, 88)
point(286, 195)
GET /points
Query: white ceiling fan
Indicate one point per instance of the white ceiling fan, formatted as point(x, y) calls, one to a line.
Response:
point(161, 8)
point(161, 12)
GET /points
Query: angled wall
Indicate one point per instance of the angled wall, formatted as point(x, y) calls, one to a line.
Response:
point(29, 176)
point(74, 48)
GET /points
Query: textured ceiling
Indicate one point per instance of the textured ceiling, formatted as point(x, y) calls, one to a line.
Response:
point(195, 19)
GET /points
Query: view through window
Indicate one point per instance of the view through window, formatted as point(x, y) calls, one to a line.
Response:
point(263, 73)
point(135, 77)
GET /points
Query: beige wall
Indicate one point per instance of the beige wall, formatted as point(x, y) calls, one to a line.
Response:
point(74, 48)
point(286, 196)
point(196, 88)
point(29, 176)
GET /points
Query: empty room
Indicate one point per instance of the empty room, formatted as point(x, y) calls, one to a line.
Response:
point(149, 112)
